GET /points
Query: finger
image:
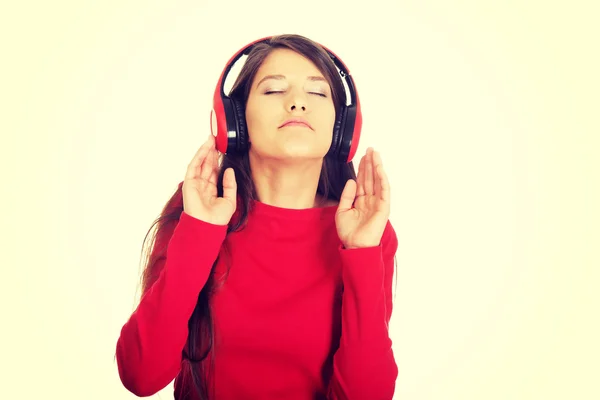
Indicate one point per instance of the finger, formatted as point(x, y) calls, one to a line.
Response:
point(229, 185)
point(347, 197)
point(217, 154)
point(214, 167)
point(360, 178)
point(385, 192)
point(377, 163)
point(193, 169)
point(369, 170)
point(207, 169)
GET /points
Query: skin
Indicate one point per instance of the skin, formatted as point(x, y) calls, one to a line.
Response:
point(286, 162)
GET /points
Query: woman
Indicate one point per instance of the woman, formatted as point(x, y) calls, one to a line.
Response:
point(270, 275)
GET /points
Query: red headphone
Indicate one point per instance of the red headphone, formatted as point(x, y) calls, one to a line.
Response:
point(228, 118)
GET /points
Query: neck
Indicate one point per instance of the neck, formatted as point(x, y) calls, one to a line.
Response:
point(286, 185)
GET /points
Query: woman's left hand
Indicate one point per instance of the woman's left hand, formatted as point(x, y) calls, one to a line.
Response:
point(364, 206)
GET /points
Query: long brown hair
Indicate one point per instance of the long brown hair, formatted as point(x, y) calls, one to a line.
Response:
point(333, 177)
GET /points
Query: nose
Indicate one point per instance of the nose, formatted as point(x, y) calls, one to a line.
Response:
point(297, 101)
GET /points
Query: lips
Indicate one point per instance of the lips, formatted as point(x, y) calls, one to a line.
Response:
point(296, 122)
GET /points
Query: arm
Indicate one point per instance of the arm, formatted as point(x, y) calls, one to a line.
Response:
point(149, 349)
point(364, 365)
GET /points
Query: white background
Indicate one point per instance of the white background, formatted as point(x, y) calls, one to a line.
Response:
point(486, 115)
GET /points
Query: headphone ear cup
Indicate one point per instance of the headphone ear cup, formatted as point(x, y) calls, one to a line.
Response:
point(242, 132)
point(349, 135)
point(338, 130)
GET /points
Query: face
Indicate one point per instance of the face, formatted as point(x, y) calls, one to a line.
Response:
point(288, 85)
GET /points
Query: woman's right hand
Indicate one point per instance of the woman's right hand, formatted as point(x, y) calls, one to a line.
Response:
point(199, 189)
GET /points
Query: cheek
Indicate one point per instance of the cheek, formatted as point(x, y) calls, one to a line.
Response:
point(327, 122)
point(256, 109)
point(260, 121)
point(253, 117)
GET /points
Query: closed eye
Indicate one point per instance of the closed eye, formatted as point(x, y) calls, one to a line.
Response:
point(274, 91)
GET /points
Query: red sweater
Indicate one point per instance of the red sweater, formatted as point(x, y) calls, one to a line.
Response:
point(298, 317)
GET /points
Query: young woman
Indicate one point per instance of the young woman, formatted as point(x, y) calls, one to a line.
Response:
point(270, 273)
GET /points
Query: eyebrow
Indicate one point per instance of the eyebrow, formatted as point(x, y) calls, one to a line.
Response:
point(280, 77)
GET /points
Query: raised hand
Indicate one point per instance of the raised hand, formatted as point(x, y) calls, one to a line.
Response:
point(199, 189)
point(364, 206)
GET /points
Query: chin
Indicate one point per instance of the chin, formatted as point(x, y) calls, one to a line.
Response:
point(289, 148)
point(296, 150)
point(304, 147)
point(291, 154)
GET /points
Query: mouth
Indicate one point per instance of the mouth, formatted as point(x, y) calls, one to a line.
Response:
point(296, 121)
point(300, 124)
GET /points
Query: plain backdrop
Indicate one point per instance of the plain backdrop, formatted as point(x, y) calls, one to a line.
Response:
point(486, 116)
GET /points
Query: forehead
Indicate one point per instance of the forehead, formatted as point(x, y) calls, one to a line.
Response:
point(289, 63)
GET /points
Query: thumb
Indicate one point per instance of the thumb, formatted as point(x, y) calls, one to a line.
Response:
point(348, 195)
point(229, 185)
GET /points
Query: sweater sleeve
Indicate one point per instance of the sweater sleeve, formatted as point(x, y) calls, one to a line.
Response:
point(149, 348)
point(364, 366)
